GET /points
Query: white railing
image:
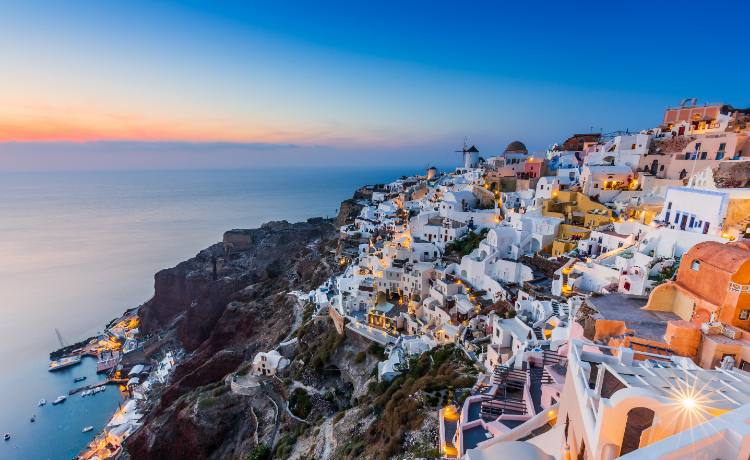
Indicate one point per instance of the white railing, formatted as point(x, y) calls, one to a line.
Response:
point(735, 287)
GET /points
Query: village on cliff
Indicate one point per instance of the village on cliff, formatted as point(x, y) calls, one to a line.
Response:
point(603, 288)
point(599, 292)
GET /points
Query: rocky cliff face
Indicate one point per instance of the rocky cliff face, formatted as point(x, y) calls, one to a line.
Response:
point(222, 306)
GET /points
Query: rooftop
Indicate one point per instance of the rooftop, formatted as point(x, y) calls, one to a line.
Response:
point(516, 147)
point(647, 324)
point(721, 389)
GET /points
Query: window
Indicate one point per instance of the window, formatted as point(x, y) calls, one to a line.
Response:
point(744, 315)
point(719, 155)
point(696, 265)
point(704, 155)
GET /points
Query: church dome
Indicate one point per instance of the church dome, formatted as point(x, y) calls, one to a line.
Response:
point(516, 147)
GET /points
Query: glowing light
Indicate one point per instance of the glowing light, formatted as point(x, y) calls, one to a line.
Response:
point(450, 414)
point(692, 404)
point(689, 403)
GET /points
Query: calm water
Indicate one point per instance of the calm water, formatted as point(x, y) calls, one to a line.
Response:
point(77, 249)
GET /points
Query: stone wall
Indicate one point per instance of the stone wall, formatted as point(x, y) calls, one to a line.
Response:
point(338, 321)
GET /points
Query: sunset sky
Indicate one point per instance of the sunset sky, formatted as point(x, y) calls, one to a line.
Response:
point(159, 84)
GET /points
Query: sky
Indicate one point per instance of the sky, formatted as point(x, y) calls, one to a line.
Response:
point(156, 84)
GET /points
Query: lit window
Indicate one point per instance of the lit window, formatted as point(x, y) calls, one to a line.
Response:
point(696, 265)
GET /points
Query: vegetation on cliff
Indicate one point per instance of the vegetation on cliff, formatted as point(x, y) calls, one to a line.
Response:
point(464, 245)
point(401, 405)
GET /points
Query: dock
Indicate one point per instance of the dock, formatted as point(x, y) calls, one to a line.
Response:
point(62, 363)
point(111, 381)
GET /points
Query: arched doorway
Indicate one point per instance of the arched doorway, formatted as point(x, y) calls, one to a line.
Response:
point(639, 419)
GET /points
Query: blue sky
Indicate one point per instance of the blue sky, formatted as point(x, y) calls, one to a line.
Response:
point(348, 81)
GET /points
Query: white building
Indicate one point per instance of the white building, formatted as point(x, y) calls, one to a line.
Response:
point(626, 150)
point(535, 231)
point(701, 210)
point(614, 406)
point(269, 363)
point(549, 186)
point(605, 181)
point(430, 227)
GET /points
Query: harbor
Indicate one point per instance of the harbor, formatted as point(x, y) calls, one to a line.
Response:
point(81, 301)
point(59, 425)
point(80, 375)
point(129, 362)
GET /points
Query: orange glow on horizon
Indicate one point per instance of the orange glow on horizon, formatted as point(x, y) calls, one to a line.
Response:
point(91, 128)
point(37, 123)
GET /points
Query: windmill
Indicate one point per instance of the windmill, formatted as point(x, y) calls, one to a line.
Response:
point(470, 155)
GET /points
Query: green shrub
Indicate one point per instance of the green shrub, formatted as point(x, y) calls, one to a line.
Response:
point(464, 245)
point(285, 446)
point(220, 390)
point(274, 269)
point(208, 402)
point(377, 351)
point(299, 403)
point(261, 452)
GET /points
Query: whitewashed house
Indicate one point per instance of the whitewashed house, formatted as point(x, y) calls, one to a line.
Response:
point(269, 363)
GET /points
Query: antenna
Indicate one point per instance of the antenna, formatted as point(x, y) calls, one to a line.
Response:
point(59, 337)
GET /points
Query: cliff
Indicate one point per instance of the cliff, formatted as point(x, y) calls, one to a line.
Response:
point(222, 306)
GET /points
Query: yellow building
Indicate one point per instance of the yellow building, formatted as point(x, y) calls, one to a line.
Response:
point(579, 213)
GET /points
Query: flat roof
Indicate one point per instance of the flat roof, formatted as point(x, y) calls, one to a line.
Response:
point(647, 324)
point(721, 389)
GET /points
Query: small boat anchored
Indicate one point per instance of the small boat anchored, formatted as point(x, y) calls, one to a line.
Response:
point(42, 402)
point(7, 436)
point(79, 379)
point(93, 391)
point(59, 400)
point(33, 418)
point(86, 429)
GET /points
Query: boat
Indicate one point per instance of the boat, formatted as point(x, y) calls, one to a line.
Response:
point(64, 362)
point(85, 393)
point(86, 429)
point(33, 418)
point(7, 436)
point(79, 379)
point(42, 402)
point(59, 400)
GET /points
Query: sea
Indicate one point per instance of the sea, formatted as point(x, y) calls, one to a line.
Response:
point(79, 248)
